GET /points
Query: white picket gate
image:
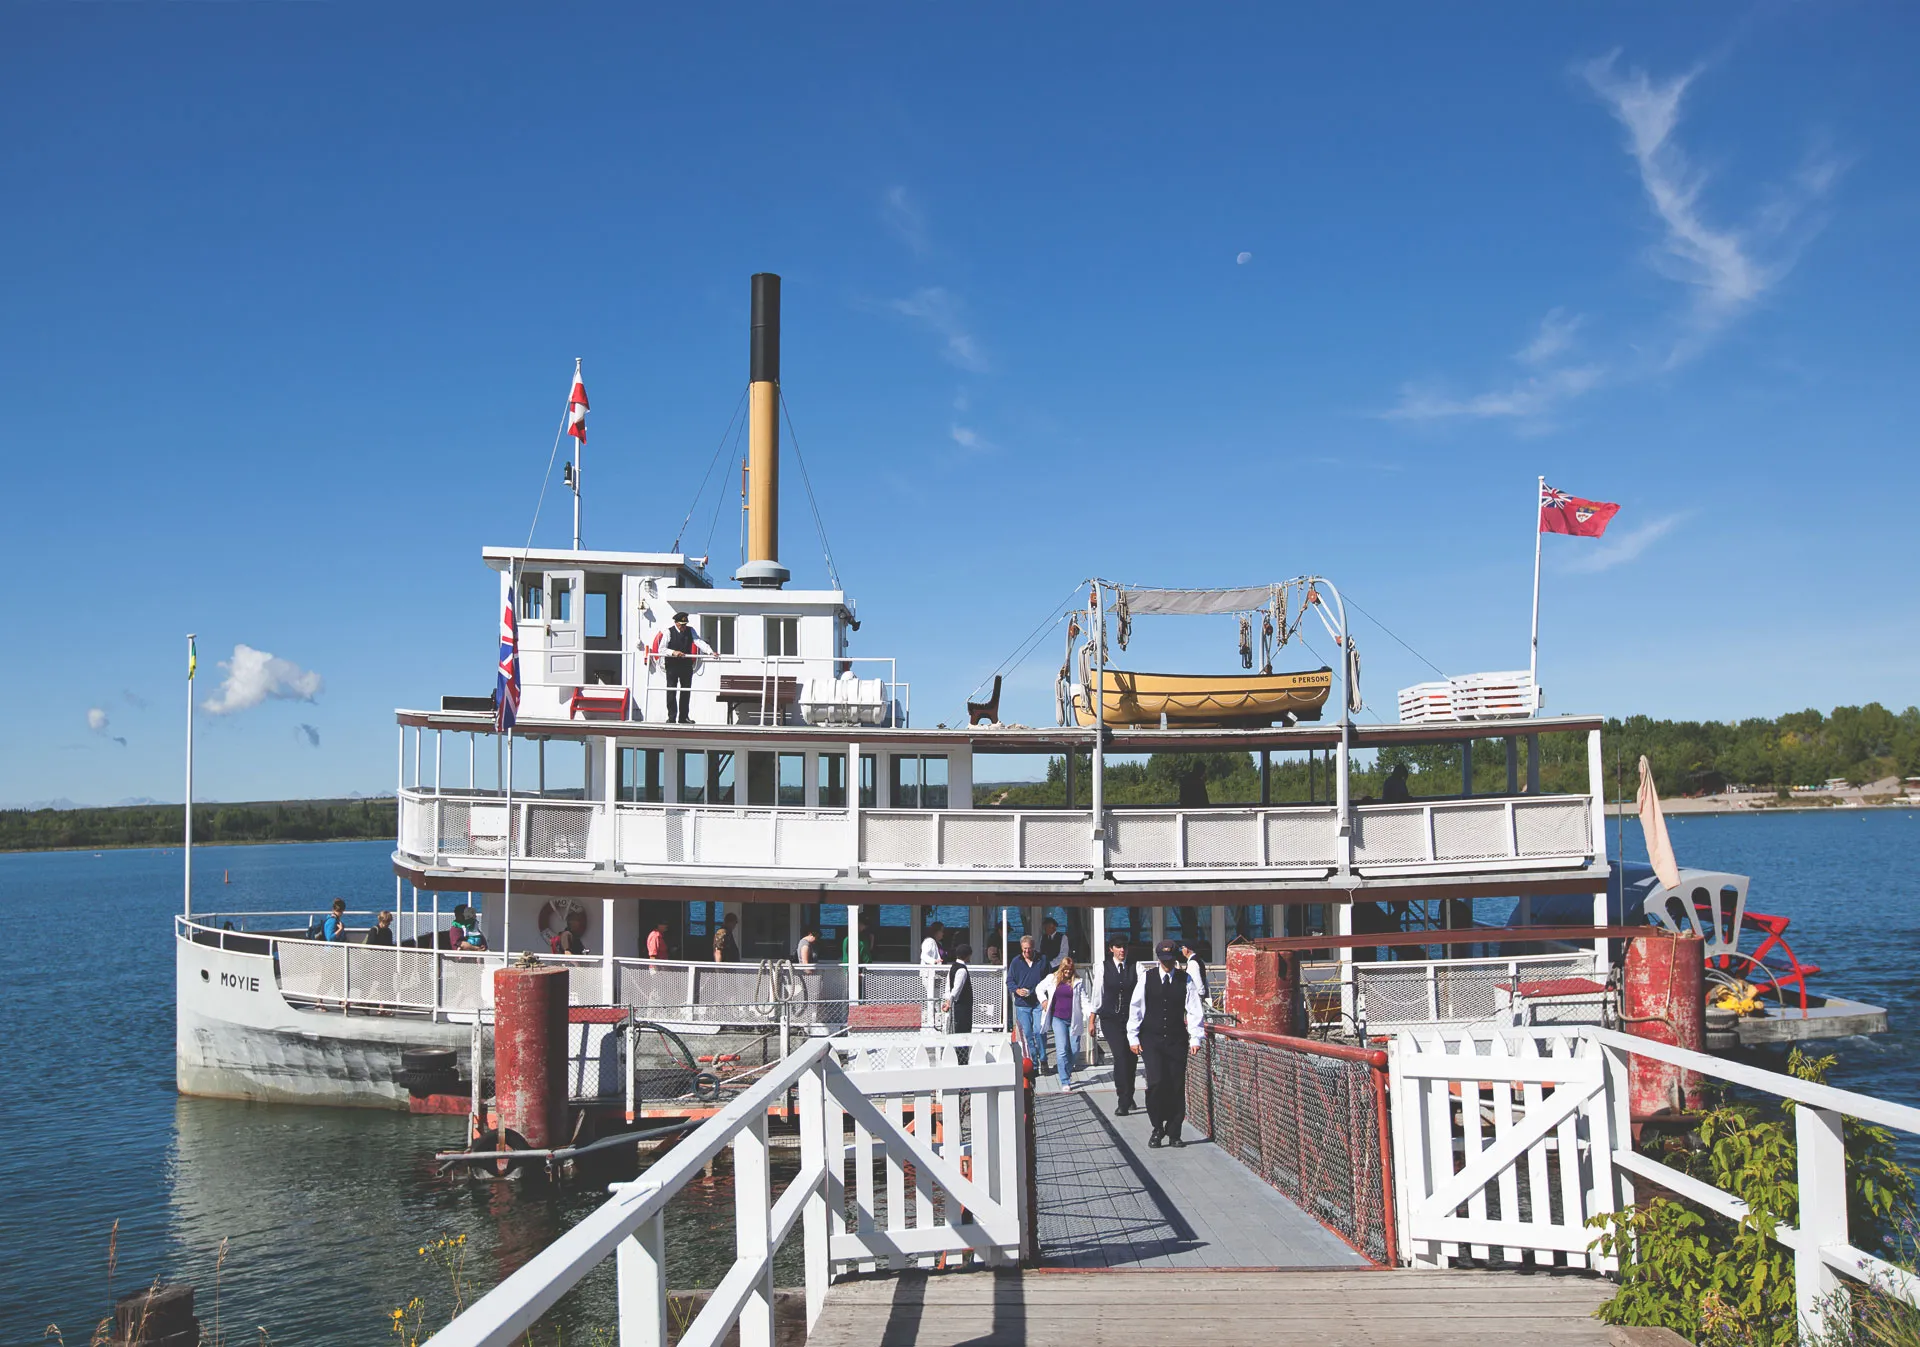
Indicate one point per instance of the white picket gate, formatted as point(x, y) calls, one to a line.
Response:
point(1502, 1146)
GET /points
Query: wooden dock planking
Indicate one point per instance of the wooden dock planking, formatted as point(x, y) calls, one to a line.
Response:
point(1108, 1200)
point(1328, 1307)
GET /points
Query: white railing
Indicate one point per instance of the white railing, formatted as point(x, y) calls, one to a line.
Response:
point(461, 831)
point(1521, 1165)
point(1409, 992)
point(1526, 830)
point(962, 1144)
point(675, 992)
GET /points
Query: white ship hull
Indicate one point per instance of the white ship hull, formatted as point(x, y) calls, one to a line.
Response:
point(237, 1037)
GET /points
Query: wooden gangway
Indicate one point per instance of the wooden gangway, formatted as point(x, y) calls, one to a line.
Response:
point(1201, 1308)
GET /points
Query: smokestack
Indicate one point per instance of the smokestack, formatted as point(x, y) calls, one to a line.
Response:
point(763, 568)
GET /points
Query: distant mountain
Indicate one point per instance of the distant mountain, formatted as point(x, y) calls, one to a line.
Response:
point(62, 803)
point(145, 799)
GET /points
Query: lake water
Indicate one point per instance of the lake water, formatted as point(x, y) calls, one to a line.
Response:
point(323, 1210)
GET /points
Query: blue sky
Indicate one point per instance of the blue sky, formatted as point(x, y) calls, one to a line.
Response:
point(292, 294)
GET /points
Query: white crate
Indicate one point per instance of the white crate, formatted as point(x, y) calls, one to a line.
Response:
point(1484, 696)
point(1426, 701)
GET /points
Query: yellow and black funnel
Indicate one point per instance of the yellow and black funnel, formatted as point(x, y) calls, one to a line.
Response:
point(763, 568)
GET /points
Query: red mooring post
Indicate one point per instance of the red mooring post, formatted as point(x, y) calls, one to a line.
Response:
point(1262, 989)
point(1663, 998)
point(530, 1053)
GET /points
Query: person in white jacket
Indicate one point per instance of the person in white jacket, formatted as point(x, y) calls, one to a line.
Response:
point(1063, 1001)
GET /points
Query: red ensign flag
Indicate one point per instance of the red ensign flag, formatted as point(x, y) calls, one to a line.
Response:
point(1561, 513)
point(577, 407)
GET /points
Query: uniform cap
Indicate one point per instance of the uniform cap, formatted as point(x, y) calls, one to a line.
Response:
point(1166, 949)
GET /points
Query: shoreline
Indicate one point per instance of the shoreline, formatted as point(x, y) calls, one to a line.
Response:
point(1722, 806)
point(197, 846)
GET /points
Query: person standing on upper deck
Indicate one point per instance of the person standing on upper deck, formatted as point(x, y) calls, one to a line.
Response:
point(682, 645)
point(334, 928)
point(1164, 1024)
point(726, 949)
point(803, 953)
point(1025, 971)
point(657, 941)
point(1113, 982)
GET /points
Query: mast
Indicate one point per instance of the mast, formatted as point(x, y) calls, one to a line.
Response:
point(1533, 656)
point(186, 905)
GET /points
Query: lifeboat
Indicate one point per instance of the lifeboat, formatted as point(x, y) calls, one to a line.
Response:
point(1191, 701)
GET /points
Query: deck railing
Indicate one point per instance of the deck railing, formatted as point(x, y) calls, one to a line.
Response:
point(1512, 1141)
point(453, 830)
point(936, 1176)
point(457, 983)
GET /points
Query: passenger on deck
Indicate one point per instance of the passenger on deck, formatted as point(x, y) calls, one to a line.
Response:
point(1196, 968)
point(657, 941)
point(465, 932)
point(1050, 943)
point(1394, 789)
point(803, 954)
point(958, 1006)
point(1113, 981)
point(382, 932)
point(726, 949)
point(1025, 972)
point(572, 940)
point(682, 645)
point(931, 957)
point(1164, 1024)
point(335, 926)
point(1066, 1008)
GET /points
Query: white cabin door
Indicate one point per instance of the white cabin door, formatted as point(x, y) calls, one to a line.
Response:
point(565, 651)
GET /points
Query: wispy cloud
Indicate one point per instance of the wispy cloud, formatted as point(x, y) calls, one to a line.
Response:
point(308, 733)
point(1621, 548)
point(905, 217)
point(1728, 268)
point(255, 675)
point(1528, 399)
point(98, 721)
point(938, 310)
point(133, 699)
point(970, 439)
point(1553, 338)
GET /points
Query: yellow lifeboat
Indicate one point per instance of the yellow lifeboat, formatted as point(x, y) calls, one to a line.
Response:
point(1190, 701)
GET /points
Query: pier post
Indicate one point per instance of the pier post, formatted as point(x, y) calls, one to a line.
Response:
point(1261, 987)
point(530, 1052)
point(1663, 999)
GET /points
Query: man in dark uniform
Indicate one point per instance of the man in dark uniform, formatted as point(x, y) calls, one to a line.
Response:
point(1164, 1024)
point(1113, 982)
point(682, 645)
point(959, 1002)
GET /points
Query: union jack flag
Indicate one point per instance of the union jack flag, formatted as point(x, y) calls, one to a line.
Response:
point(506, 689)
point(1561, 513)
point(1550, 495)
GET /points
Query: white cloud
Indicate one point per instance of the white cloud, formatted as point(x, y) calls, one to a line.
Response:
point(905, 218)
point(1241, 259)
point(970, 439)
point(1527, 400)
point(96, 719)
point(255, 675)
point(938, 310)
point(308, 732)
point(1621, 548)
point(1728, 268)
point(1553, 338)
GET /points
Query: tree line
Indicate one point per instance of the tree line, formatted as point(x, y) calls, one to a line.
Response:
point(1805, 748)
point(157, 825)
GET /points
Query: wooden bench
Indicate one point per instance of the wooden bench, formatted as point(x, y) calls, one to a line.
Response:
point(749, 695)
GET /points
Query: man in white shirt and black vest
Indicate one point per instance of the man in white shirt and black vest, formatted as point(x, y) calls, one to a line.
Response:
point(1114, 979)
point(1165, 1023)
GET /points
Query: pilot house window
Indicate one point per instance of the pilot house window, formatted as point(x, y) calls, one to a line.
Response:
point(533, 596)
point(783, 636)
point(716, 633)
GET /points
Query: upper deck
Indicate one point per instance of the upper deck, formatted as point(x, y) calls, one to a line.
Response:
point(722, 809)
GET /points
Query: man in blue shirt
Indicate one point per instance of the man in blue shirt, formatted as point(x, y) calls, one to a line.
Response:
point(1025, 972)
point(335, 926)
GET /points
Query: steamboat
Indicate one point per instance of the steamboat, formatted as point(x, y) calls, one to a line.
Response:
point(789, 794)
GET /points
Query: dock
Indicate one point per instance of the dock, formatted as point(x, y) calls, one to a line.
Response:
point(1142, 1244)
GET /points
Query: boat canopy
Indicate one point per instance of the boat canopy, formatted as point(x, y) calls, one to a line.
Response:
point(1190, 602)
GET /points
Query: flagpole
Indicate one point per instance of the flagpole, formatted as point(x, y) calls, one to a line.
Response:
point(579, 443)
point(1533, 658)
point(186, 905)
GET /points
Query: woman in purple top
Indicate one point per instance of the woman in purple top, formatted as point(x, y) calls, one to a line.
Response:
point(1065, 1006)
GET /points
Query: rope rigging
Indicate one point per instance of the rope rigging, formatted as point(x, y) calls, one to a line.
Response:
point(820, 528)
point(1031, 642)
point(694, 504)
